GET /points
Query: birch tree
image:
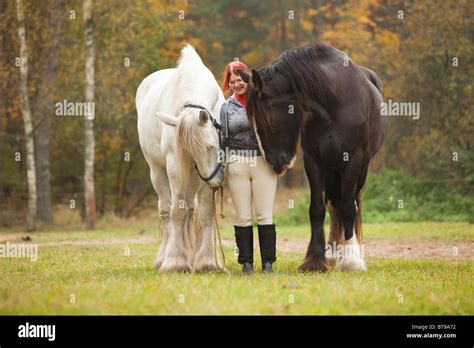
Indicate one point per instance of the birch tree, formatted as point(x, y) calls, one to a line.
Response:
point(89, 142)
point(27, 119)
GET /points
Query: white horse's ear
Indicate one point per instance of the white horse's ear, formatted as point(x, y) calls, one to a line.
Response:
point(167, 118)
point(203, 116)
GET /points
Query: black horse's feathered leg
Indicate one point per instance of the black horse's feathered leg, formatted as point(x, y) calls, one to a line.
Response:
point(315, 258)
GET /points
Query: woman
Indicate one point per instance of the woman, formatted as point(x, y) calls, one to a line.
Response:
point(252, 182)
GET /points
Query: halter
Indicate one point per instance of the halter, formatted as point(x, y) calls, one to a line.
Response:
point(218, 128)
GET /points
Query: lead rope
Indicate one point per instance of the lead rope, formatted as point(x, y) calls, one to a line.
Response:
point(216, 232)
point(222, 202)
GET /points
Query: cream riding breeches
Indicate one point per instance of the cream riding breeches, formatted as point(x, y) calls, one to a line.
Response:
point(251, 182)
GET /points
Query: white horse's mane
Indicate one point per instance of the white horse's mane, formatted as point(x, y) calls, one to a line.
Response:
point(189, 56)
point(190, 142)
point(194, 80)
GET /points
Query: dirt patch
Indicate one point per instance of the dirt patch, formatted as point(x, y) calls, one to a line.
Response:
point(385, 248)
point(398, 248)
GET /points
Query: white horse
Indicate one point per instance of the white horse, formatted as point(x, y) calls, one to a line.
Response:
point(179, 139)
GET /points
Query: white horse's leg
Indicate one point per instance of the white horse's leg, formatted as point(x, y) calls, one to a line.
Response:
point(191, 204)
point(175, 259)
point(204, 259)
point(159, 180)
point(352, 255)
point(188, 235)
point(177, 254)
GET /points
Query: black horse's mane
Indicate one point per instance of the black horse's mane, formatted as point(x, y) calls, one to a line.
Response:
point(307, 79)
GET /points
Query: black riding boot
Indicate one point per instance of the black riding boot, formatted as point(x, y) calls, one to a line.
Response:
point(244, 239)
point(267, 239)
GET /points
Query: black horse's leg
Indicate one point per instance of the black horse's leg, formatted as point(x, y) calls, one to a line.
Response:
point(315, 259)
point(360, 184)
point(362, 177)
point(351, 259)
point(332, 193)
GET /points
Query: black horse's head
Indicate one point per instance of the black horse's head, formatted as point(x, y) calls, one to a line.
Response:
point(284, 95)
point(275, 116)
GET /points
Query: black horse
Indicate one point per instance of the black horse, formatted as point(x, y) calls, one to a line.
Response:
point(317, 95)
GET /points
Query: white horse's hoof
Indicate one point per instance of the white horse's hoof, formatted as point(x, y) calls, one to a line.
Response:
point(207, 267)
point(206, 263)
point(159, 260)
point(175, 264)
point(351, 264)
point(157, 263)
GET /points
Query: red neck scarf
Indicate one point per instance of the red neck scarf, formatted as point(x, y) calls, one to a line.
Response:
point(242, 99)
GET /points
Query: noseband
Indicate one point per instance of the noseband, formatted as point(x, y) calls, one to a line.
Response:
point(218, 128)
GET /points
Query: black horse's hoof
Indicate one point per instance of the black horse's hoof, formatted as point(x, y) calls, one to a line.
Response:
point(313, 265)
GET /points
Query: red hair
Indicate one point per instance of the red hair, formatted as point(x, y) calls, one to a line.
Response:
point(234, 68)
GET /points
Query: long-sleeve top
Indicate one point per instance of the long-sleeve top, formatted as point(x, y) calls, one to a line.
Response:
point(236, 131)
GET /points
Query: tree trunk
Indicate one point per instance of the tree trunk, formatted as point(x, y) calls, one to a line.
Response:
point(3, 86)
point(89, 142)
point(45, 107)
point(317, 20)
point(27, 120)
point(103, 187)
point(118, 179)
point(297, 20)
point(283, 37)
point(276, 23)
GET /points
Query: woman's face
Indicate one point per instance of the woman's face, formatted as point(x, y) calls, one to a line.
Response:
point(237, 85)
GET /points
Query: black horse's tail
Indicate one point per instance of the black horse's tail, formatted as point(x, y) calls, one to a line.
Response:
point(338, 226)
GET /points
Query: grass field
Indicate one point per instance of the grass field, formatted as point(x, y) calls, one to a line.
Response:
point(104, 275)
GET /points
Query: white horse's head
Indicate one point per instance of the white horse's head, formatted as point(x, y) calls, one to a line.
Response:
point(197, 140)
point(197, 145)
